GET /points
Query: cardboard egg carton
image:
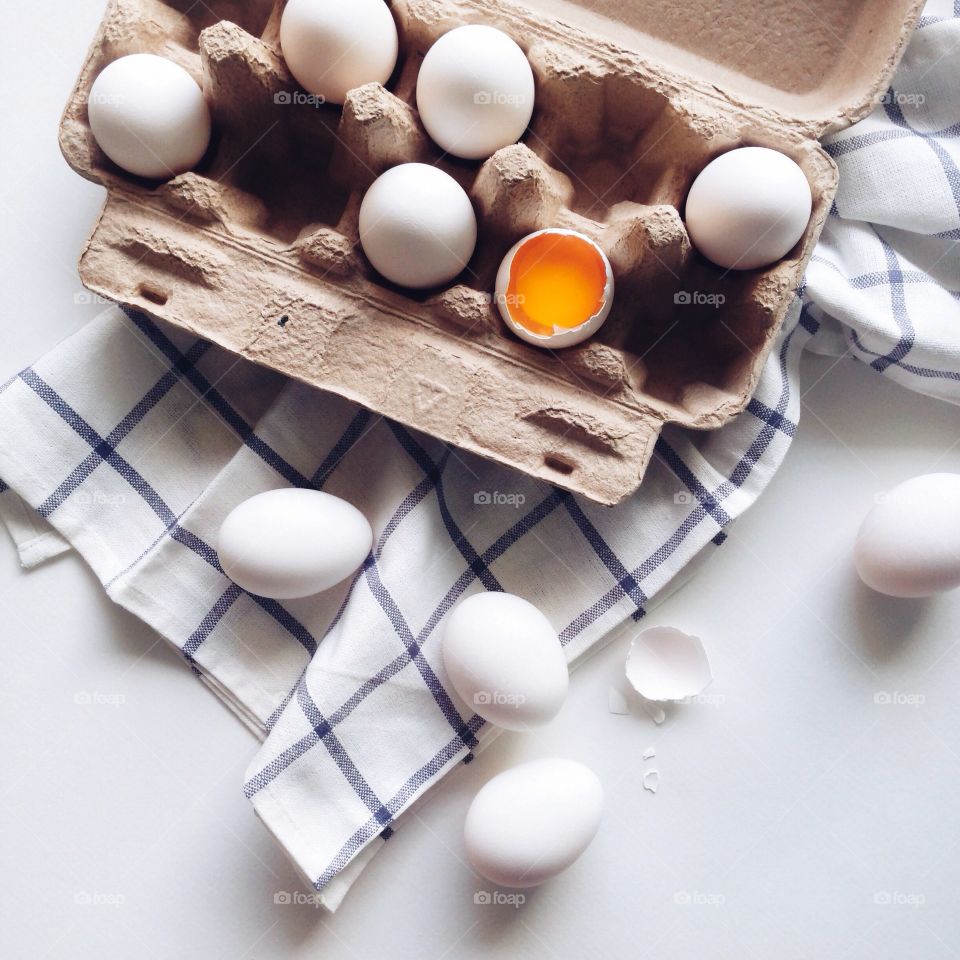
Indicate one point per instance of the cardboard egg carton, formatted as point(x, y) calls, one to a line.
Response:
point(257, 249)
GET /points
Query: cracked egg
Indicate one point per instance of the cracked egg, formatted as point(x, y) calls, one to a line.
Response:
point(555, 288)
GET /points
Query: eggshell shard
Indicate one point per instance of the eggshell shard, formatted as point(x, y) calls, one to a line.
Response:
point(533, 254)
point(666, 664)
point(290, 543)
point(334, 46)
point(617, 702)
point(417, 226)
point(748, 208)
point(532, 822)
point(505, 660)
point(149, 116)
point(909, 544)
point(475, 91)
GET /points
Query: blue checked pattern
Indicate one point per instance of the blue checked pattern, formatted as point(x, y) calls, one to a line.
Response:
point(131, 442)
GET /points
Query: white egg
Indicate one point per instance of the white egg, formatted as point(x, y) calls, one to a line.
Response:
point(667, 664)
point(533, 821)
point(417, 226)
point(475, 91)
point(909, 543)
point(333, 46)
point(748, 208)
point(291, 543)
point(149, 116)
point(505, 660)
point(555, 288)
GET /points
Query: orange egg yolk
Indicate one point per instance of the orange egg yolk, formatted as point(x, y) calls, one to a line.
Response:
point(557, 281)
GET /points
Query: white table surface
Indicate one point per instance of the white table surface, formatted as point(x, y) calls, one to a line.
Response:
point(797, 816)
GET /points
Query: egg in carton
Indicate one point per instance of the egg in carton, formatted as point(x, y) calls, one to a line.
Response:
point(257, 248)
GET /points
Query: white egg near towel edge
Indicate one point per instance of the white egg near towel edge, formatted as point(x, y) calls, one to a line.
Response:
point(533, 821)
point(908, 545)
point(290, 543)
point(748, 208)
point(505, 660)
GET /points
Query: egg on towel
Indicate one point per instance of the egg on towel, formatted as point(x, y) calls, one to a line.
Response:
point(290, 543)
point(555, 288)
point(505, 660)
point(533, 821)
point(909, 543)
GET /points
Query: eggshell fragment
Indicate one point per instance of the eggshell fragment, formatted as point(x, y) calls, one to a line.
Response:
point(292, 543)
point(505, 660)
point(909, 543)
point(666, 664)
point(617, 702)
point(531, 822)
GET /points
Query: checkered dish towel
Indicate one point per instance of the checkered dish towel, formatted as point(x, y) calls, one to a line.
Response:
point(132, 441)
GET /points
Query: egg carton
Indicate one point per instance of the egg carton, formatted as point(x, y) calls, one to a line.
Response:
point(257, 249)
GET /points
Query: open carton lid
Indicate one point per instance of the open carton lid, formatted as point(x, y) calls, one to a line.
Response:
point(814, 65)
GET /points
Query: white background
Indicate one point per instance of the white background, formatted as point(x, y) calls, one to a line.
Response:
point(796, 817)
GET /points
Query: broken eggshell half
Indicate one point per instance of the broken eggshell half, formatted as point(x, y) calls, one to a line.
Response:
point(667, 664)
point(555, 288)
